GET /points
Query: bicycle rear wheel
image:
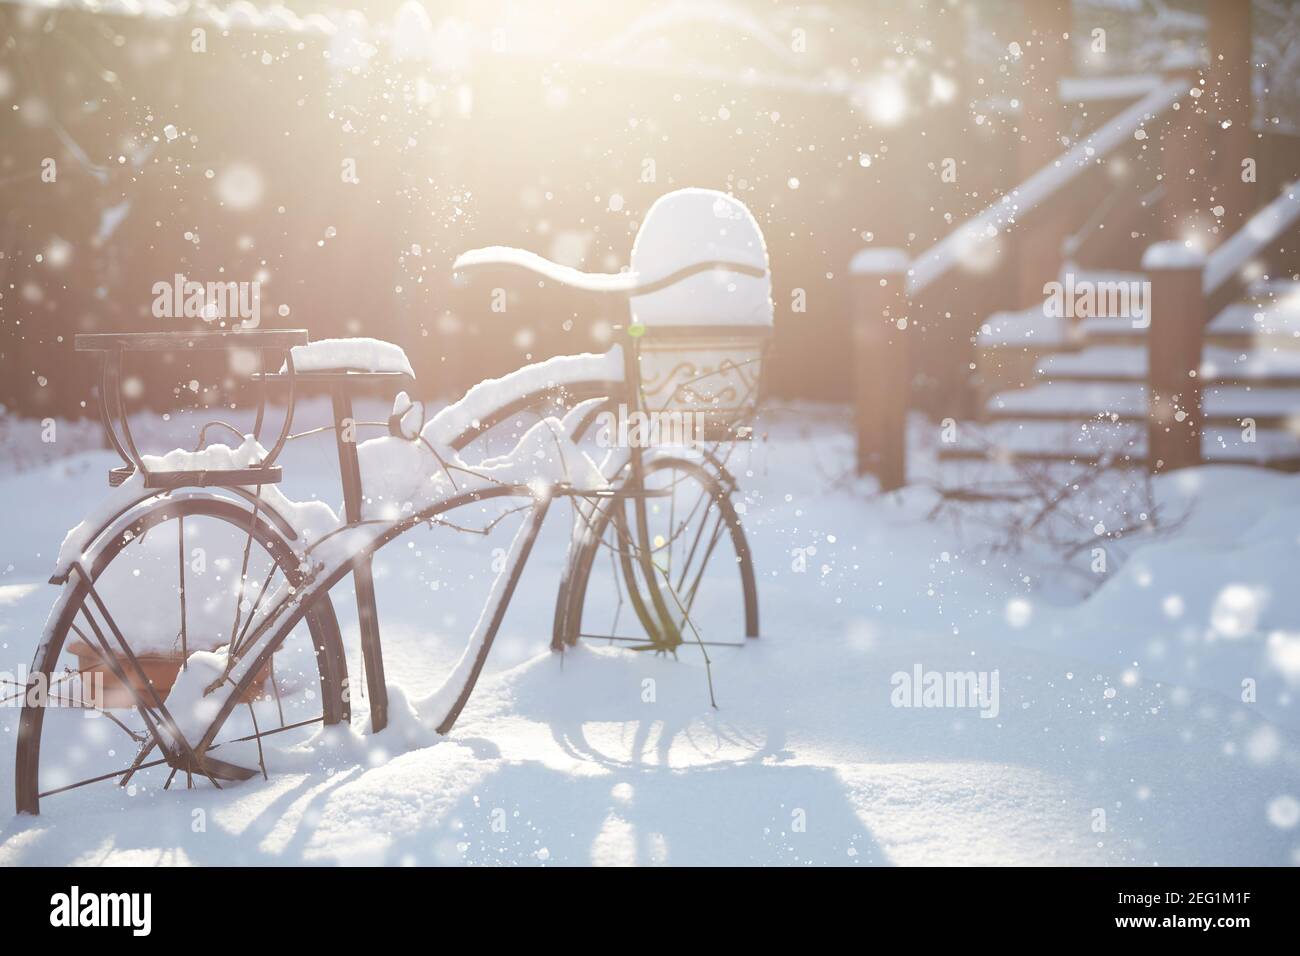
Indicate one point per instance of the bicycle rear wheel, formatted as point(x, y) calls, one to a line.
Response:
point(188, 575)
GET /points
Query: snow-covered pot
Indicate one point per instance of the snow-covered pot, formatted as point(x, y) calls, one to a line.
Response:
point(100, 686)
point(705, 319)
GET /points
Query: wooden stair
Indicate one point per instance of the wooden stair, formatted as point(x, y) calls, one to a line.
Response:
point(1057, 390)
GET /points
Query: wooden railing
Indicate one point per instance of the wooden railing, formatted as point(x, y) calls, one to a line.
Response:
point(887, 283)
point(1188, 289)
point(1250, 242)
point(1041, 186)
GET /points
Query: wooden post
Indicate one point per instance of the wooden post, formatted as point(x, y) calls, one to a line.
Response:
point(881, 364)
point(1046, 57)
point(1230, 106)
point(1176, 307)
point(1044, 121)
point(1183, 160)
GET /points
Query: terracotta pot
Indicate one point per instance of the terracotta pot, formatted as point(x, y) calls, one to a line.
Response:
point(160, 669)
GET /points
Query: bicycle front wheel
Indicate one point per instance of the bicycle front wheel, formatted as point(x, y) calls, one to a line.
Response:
point(681, 573)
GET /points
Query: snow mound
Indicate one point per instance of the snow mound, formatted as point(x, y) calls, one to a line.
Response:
point(1212, 603)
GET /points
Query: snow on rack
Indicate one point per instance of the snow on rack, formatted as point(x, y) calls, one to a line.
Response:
point(311, 520)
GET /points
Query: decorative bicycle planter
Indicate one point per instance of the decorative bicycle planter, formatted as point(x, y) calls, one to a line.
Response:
point(206, 669)
point(101, 687)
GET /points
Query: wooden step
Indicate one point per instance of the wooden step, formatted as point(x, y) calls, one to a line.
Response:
point(1269, 316)
point(1097, 363)
point(1102, 330)
point(1278, 368)
point(1079, 442)
point(1260, 367)
point(1123, 444)
point(1076, 401)
point(1070, 402)
point(1245, 325)
point(1033, 327)
point(1264, 290)
point(1024, 328)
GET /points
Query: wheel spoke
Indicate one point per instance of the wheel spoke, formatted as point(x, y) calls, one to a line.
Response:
point(672, 514)
point(163, 760)
point(238, 643)
point(699, 531)
point(704, 563)
point(140, 758)
point(641, 640)
point(151, 720)
point(261, 757)
point(102, 777)
point(23, 688)
point(243, 569)
point(275, 689)
point(110, 659)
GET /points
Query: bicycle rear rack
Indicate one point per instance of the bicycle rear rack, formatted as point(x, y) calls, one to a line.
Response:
point(112, 346)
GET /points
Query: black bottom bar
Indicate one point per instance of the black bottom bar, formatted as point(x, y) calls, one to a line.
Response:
point(964, 905)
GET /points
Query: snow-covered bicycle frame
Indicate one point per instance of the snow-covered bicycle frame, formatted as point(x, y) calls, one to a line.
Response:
point(716, 257)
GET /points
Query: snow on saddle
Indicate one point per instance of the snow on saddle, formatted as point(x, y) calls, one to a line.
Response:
point(351, 355)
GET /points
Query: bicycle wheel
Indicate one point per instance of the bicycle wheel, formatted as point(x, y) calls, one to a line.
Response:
point(188, 575)
point(694, 550)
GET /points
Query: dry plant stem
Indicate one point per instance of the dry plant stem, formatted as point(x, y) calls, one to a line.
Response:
point(1044, 515)
point(708, 664)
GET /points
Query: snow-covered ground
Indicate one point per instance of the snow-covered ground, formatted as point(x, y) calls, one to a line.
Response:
point(1123, 732)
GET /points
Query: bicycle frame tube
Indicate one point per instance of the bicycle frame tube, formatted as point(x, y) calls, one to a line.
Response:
point(282, 619)
point(372, 651)
point(665, 631)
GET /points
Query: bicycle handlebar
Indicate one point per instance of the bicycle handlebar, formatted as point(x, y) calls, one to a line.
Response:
point(628, 284)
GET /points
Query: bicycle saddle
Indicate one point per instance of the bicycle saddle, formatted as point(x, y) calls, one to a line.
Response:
point(698, 259)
